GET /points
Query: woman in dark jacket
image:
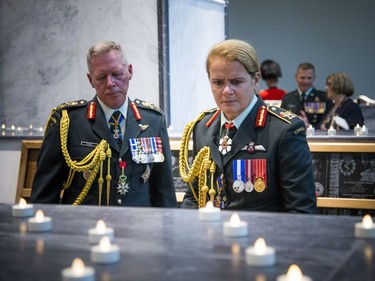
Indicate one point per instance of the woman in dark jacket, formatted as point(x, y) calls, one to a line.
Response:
point(345, 113)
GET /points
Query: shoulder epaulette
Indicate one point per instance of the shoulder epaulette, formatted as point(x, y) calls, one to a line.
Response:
point(215, 111)
point(148, 105)
point(283, 114)
point(71, 104)
point(52, 119)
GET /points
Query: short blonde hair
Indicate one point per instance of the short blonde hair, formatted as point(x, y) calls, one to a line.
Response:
point(104, 47)
point(235, 50)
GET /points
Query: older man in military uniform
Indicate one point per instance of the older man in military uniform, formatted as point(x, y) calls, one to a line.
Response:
point(110, 150)
point(306, 101)
point(247, 156)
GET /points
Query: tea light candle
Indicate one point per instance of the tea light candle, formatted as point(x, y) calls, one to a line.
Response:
point(209, 213)
point(366, 228)
point(101, 230)
point(105, 252)
point(294, 274)
point(260, 254)
point(22, 209)
point(357, 130)
point(364, 131)
point(235, 227)
point(331, 131)
point(78, 272)
point(39, 223)
point(310, 131)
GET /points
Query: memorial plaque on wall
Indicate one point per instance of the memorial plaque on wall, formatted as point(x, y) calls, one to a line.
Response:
point(180, 185)
point(344, 175)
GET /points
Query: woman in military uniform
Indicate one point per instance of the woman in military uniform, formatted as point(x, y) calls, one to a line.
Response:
point(246, 156)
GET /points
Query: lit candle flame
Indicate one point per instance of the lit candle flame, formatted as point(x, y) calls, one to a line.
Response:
point(22, 203)
point(13, 127)
point(100, 226)
point(78, 266)
point(209, 205)
point(235, 220)
point(39, 216)
point(105, 244)
point(367, 221)
point(260, 246)
point(364, 128)
point(294, 273)
point(3, 126)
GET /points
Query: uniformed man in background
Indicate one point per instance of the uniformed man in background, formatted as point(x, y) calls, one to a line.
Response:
point(246, 156)
point(307, 101)
point(107, 151)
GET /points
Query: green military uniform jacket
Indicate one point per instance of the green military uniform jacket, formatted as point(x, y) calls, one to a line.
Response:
point(149, 184)
point(281, 141)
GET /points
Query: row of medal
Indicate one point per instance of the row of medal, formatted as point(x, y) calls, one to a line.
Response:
point(315, 107)
point(146, 150)
point(249, 174)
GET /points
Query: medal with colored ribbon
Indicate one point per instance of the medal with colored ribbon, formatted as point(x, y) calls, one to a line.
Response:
point(218, 202)
point(238, 175)
point(260, 183)
point(123, 186)
point(146, 150)
point(249, 169)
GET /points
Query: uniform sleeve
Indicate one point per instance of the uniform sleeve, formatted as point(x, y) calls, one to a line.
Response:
point(295, 166)
point(162, 190)
point(51, 168)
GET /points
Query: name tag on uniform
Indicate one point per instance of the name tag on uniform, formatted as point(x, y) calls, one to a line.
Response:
point(89, 144)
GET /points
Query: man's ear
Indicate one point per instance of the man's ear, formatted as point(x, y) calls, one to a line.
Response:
point(90, 79)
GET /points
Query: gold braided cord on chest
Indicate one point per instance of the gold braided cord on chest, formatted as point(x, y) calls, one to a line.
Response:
point(93, 161)
point(202, 163)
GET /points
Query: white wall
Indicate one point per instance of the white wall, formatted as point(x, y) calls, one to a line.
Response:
point(194, 26)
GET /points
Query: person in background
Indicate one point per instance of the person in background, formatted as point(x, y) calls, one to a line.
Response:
point(246, 156)
point(270, 71)
point(107, 151)
point(306, 101)
point(340, 88)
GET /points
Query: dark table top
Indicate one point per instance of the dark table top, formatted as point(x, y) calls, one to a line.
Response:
point(172, 244)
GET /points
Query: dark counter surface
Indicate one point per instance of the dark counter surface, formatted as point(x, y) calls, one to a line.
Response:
point(172, 244)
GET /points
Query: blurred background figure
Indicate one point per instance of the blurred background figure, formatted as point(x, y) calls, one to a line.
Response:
point(307, 101)
point(270, 71)
point(345, 113)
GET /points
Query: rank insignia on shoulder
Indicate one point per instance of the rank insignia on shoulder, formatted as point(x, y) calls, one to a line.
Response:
point(146, 104)
point(283, 114)
point(70, 104)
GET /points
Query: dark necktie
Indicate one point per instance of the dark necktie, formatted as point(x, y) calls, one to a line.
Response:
point(115, 127)
point(303, 97)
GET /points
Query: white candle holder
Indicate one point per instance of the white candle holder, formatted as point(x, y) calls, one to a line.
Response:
point(209, 213)
point(310, 130)
point(331, 131)
point(366, 228)
point(294, 273)
point(357, 130)
point(39, 223)
point(101, 230)
point(78, 272)
point(105, 252)
point(364, 131)
point(235, 227)
point(23, 209)
point(260, 254)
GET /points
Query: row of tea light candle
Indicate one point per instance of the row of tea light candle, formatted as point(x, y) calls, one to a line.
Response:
point(102, 252)
point(259, 255)
point(358, 131)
